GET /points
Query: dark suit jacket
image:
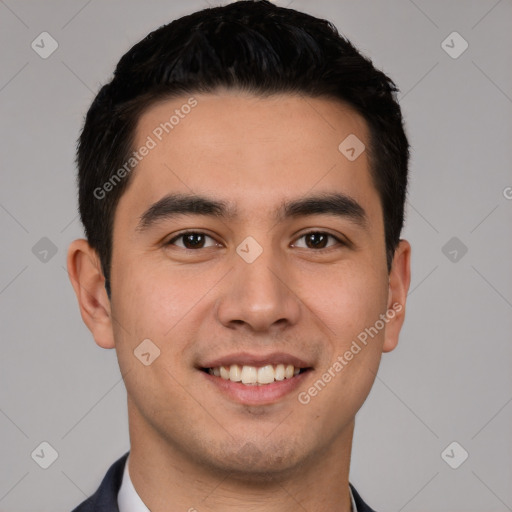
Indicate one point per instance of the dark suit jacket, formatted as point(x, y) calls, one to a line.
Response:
point(105, 498)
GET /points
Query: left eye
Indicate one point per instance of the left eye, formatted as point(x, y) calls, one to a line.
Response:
point(197, 240)
point(318, 239)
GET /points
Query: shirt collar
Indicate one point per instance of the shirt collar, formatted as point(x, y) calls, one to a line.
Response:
point(128, 499)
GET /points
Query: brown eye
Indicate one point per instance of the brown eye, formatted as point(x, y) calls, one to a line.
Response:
point(191, 240)
point(318, 240)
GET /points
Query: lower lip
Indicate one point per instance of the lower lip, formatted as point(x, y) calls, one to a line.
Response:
point(256, 394)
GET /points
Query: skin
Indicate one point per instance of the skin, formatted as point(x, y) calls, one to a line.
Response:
point(190, 444)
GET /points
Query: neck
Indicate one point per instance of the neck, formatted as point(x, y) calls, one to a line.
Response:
point(164, 475)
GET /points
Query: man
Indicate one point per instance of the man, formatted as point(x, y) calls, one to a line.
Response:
point(242, 182)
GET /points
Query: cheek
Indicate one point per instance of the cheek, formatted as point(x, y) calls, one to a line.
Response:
point(152, 307)
point(161, 303)
point(144, 306)
point(351, 311)
point(358, 346)
point(347, 299)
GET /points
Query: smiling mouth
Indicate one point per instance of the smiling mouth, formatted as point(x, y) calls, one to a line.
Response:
point(254, 375)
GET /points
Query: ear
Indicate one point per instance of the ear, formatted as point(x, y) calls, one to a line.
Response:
point(399, 281)
point(86, 276)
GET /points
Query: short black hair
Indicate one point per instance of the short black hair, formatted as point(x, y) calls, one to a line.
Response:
point(252, 46)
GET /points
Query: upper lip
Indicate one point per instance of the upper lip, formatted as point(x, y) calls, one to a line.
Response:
point(248, 359)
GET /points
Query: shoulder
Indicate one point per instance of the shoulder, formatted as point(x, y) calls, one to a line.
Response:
point(361, 505)
point(105, 498)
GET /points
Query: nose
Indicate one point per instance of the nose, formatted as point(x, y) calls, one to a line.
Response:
point(259, 296)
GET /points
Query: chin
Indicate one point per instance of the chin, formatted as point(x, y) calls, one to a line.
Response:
point(255, 462)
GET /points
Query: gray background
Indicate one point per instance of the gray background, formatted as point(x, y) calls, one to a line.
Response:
point(448, 380)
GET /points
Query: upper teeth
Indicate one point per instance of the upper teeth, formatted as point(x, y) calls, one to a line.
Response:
point(254, 375)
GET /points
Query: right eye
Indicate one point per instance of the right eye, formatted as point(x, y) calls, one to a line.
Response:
point(192, 240)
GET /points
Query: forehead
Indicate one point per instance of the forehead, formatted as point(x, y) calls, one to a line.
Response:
point(249, 150)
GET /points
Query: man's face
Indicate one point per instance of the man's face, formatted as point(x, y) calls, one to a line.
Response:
point(256, 285)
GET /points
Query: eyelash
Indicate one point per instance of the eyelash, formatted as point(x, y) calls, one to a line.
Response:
point(184, 233)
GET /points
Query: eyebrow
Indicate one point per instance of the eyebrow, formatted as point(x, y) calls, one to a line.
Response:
point(174, 205)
